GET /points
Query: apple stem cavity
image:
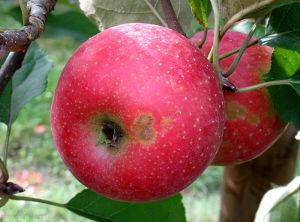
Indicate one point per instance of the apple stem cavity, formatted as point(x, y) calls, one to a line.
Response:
point(110, 134)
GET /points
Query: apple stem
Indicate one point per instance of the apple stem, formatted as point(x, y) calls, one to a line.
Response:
point(265, 84)
point(242, 49)
point(202, 41)
point(216, 9)
point(110, 134)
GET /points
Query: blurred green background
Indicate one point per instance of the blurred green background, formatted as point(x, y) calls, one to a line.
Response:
point(33, 160)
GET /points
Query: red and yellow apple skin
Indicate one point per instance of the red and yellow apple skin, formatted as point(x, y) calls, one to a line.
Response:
point(162, 93)
point(251, 124)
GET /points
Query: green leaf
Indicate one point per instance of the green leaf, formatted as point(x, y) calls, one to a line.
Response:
point(5, 99)
point(28, 82)
point(70, 23)
point(281, 204)
point(93, 206)
point(70, 4)
point(287, 104)
point(201, 10)
point(285, 65)
point(232, 7)
point(108, 13)
point(283, 28)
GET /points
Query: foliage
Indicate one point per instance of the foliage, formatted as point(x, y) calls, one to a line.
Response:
point(285, 65)
point(96, 207)
point(201, 11)
point(232, 7)
point(28, 82)
point(283, 28)
point(107, 13)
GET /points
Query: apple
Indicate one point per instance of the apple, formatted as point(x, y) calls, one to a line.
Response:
point(138, 113)
point(252, 124)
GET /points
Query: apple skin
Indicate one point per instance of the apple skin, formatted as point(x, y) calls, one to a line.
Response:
point(252, 124)
point(162, 93)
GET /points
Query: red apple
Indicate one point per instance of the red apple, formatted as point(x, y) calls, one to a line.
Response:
point(138, 113)
point(251, 122)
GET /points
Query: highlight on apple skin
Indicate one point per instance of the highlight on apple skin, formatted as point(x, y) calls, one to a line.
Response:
point(138, 113)
point(252, 124)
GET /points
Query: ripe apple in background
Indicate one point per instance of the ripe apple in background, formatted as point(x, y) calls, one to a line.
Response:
point(251, 124)
point(138, 113)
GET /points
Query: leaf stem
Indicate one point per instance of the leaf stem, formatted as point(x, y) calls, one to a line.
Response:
point(232, 52)
point(48, 202)
point(6, 144)
point(265, 84)
point(24, 11)
point(242, 49)
point(37, 200)
point(215, 49)
point(4, 173)
point(155, 12)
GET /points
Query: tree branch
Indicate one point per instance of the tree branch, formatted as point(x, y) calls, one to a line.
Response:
point(17, 40)
point(170, 16)
point(12, 63)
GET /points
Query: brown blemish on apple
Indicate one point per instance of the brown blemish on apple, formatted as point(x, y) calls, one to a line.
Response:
point(165, 123)
point(143, 128)
point(235, 110)
point(253, 119)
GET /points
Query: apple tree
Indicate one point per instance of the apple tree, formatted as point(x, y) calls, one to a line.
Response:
point(141, 110)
